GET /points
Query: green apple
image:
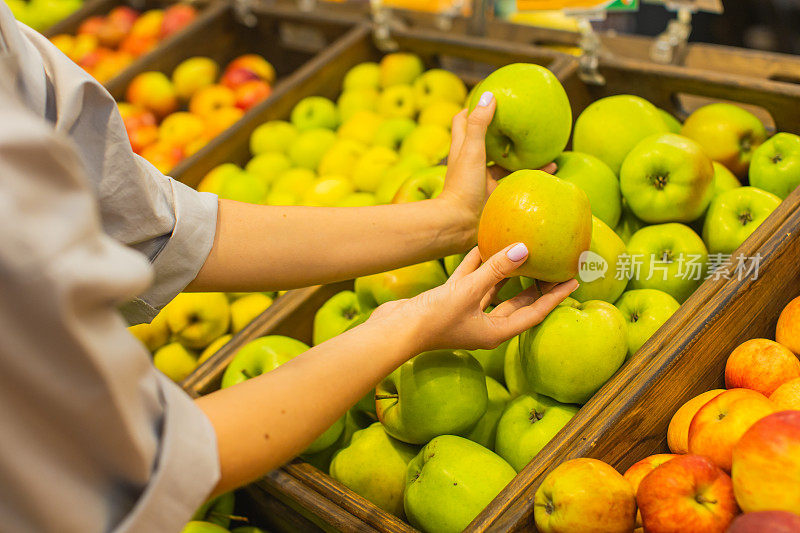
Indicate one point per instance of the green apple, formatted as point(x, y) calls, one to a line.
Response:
point(397, 174)
point(610, 127)
point(213, 181)
point(260, 356)
point(340, 158)
point(358, 199)
point(405, 282)
point(667, 178)
point(485, 430)
point(601, 271)
point(673, 124)
point(153, 335)
point(371, 166)
point(734, 215)
point(598, 182)
point(628, 223)
point(724, 180)
point(322, 460)
point(327, 439)
point(492, 361)
point(197, 526)
point(451, 262)
point(362, 76)
point(295, 181)
point(526, 94)
point(513, 372)
point(439, 84)
point(668, 257)
point(550, 215)
point(245, 309)
point(175, 361)
point(775, 166)
point(243, 187)
point(315, 112)
point(430, 141)
point(217, 510)
point(645, 310)
point(213, 348)
point(399, 68)
point(450, 482)
point(309, 147)
point(354, 100)
point(439, 113)
point(272, 136)
point(335, 316)
point(512, 287)
point(361, 127)
point(281, 198)
point(423, 184)
point(392, 131)
point(435, 393)
point(528, 423)
point(248, 529)
point(397, 102)
point(374, 466)
point(328, 191)
point(574, 350)
point(267, 166)
point(197, 318)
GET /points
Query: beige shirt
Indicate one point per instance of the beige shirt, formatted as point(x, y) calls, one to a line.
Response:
point(92, 437)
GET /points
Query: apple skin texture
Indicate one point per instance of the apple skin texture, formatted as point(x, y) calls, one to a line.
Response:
point(624, 118)
point(435, 393)
point(526, 94)
point(734, 215)
point(667, 178)
point(597, 180)
point(514, 374)
point(761, 521)
point(527, 425)
point(450, 482)
point(405, 282)
point(775, 166)
point(645, 310)
point(196, 526)
point(574, 350)
point(550, 215)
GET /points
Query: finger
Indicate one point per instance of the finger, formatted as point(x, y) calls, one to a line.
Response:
point(458, 131)
point(490, 296)
point(500, 266)
point(468, 265)
point(528, 316)
point(526, 297)
point(473, 150)
point(550, 168)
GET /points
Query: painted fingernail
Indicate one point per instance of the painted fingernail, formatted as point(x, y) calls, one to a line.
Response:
point(518, 252)
point(486, 99)
point(575, 284)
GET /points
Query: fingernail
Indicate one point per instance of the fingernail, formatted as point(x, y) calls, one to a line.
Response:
point(518, 252)
point(575, 285)
point(486, 99)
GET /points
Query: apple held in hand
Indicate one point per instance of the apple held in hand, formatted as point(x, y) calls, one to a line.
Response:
point(435, 393)
point(624, 118)
point(761, 365)
point(374, 466)
point(734, 215)
point(335, 316)
point(787, 332)
point(787, 396)
point(584, 495)
point(601, 272)
point(550, 215)
point(597, 180)
point(645, 310)
point(405, 282)
point(727, 133)
point(761, 521)
point(527, 425)
point(687, 493)
point(776, 165)
point(450, 482)
point(485, 431)
point(574, 350)
point(667, 257)
point(719, 424)
point(766, 464)
point(678, 430)
point(526, 94)
point(667, 178)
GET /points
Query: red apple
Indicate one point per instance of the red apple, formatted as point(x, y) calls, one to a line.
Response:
point(636, 473)
point(163, 156)
point(123, 15)
point(686, 494)
point(255, 64)
point(251, 93)
point(149, 24)
point(143, 136)
point(787, 331)
point(176, 18)
point(761, 365)
point(233, 78)
point(91, 26)
point(138, 45)
point(721, 422)
point(787, 396)
point(154, 91)
point(766, 521)
point(134, 116)
point(678, 430)
point(211, 98)
point(766, 464)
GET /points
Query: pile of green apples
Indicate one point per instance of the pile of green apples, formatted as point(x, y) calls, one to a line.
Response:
point(41, 14)
point(216, 515)
point(195, 325)
point(391, 121)
point(443, 434)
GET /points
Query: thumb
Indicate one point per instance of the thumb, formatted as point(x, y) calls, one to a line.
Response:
point(473, 150)
point(501, 265)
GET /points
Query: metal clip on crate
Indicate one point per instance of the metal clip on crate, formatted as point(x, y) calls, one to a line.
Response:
point(670, 45)
point(590, 44)
point(244, 12)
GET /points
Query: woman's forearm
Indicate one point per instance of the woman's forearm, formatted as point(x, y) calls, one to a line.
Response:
point(260, 247)
point(265, 421)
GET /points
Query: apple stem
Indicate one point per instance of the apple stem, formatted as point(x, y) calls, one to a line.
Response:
point(385, 396)
point(216, 514)
point(506, 150)
point(247, 374)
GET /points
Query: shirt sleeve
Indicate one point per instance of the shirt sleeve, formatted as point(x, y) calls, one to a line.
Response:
point(170, 223)
point(93, 439)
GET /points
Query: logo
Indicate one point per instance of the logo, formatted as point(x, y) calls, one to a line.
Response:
point(591, 267)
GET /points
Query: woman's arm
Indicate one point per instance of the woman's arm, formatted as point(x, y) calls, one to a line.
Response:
point(265, 421)
point(275, 247)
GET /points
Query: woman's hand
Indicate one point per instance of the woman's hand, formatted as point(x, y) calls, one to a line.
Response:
point(453, 315)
